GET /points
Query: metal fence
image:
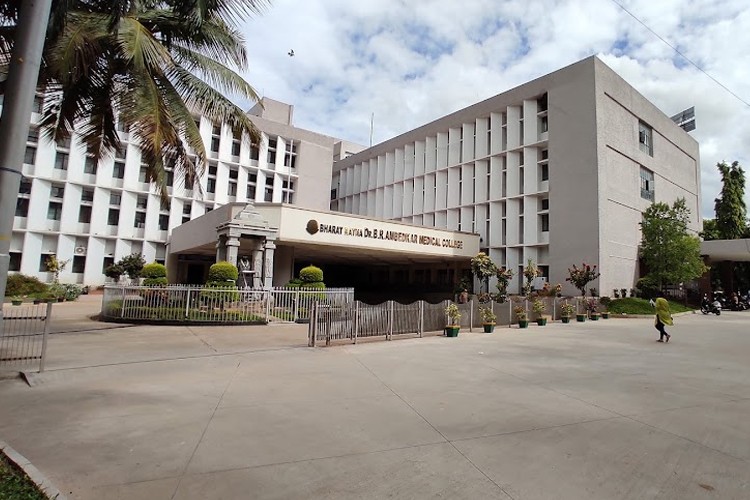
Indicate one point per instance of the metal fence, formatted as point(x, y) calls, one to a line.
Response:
point(23, 335)
point(357, 320)
point(187, 304)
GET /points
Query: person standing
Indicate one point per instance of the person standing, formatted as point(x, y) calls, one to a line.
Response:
point(663, 316)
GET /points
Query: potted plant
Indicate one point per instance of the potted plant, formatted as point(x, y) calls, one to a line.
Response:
point(591, 306)
point(488, 319)
point(567, 311)
point(523, 321)
point(38, 300)
point(454, 317)
point(604, 301)
point(539, 307)
point(581, 316)
point(16, 300)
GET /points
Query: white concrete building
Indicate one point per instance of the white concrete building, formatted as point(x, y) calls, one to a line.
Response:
point(94, 214)
point(558, 170)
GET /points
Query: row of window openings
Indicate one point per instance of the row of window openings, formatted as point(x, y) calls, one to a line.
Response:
point(78, 265)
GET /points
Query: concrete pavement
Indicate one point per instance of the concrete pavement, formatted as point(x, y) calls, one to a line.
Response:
point(581, 411)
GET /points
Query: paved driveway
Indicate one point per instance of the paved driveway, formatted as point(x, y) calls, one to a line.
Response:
point(581, 411)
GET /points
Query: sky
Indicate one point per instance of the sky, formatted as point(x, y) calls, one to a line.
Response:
point(411, 62)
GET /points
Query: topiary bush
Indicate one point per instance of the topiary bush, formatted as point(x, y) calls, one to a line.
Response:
point(20, 284)
point(155, 274)
point(311, 274)
point(221, 272)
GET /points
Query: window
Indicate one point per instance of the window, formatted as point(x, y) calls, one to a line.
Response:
point(121, 152)
point(211, 185)
point(290, 156)
point(215, 144)
point(236, 143)
point(250, 191)
point(140, 220)
point(232, 188)
point(254, 152)
point(87, 195)
point(90, 165)
point(25, 186)
point(84, 214)
point(38, 105)
point(106, 262)
point(141, 202)
point(15, 261)
point(216, 130)
point(22, 207)
point(43, 262)
point(118, 172)
point(545, 203)
point(271, 158)
point(29, 157)
point(545, 223)
point(121, 127)
point(33, 136)
point(209, 208)
point(233, 173)
point(113, 217)
point(645, 138)
point(79, 264)
point(545, 172)
point(61, 161)
point(163, 222)
point(170, 177)
point(543, 124)
point(647, 184)
point(186, 209)
point(115, 199)
point(333, 193)
point(54, 210)
point(143, 174)
point(57, 191)
point(64, 144)
point(268, 194)
point(212, 170)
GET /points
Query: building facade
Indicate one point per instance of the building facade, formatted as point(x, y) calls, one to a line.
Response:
point(93, 213)
point(558, 170)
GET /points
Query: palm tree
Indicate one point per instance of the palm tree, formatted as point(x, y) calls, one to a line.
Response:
point(149, 64)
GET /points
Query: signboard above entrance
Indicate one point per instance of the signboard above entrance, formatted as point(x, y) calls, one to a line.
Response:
point(375, 233)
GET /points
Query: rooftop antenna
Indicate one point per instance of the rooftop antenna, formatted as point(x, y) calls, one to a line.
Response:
point(372, 126)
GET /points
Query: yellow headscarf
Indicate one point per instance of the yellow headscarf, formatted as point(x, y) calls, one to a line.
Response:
point(662, 311)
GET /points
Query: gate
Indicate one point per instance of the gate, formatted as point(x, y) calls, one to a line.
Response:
point(23, 335)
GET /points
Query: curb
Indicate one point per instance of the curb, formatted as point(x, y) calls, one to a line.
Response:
point(44, 484)
point(626, 316)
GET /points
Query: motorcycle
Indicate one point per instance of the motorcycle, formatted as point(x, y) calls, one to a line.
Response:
point(708, 307)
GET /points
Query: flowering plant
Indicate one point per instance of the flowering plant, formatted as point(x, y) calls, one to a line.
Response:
point(453, 313)
point(567, 309)
point(488, 317)
point(580, 277)
point(538, 307)
point(520, 313)
point(530, 271)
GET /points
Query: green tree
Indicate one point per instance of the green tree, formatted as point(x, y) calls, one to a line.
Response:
point(710, 230)
point(731, 212)
point(132, 265)
point(671, 254)
point(483, 269)
point(149, 64)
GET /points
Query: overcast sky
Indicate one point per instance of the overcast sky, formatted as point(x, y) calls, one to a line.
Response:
point(410, 62)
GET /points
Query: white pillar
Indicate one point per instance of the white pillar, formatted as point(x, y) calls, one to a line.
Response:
point(232, 249)
point(268, 251)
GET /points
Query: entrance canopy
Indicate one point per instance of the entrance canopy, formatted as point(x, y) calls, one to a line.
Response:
point(726, 250)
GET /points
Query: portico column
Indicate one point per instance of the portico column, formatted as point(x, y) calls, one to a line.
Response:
point(257, 268)
point(232, 249)
point(221, 250)
point(268, 251)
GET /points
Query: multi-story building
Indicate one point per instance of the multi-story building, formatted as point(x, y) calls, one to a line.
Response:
point(558, 170)
point(95, 213)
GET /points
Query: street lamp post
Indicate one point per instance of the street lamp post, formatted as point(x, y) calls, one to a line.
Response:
point(20, 89)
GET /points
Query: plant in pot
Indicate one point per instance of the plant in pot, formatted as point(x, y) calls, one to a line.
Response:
point(16, 300)
point(539, 307)
point(488, 319)
point(593, 308)
point(583, 313)
point(523, 321)
point(604, 301)
point(454, 318)
point(567, 311)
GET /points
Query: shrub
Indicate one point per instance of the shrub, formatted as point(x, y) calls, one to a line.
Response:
point(154, 270)
point(294, 283)
point(155, 282)
point(316, 285)
point(20, 284)
point(132, 265)
point(647, 286)
point(311, 274)
point(216, 294)
point(114, 271)
point(221, 272)
point(70, 291)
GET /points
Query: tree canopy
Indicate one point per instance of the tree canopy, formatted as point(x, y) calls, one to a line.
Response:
point(151, 65)
point(671, 254)
point(731, 212)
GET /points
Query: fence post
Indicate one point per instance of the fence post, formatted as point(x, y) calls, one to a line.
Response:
point(45, 333)
point(313, 325)
point(356, 320)
point(510, 313)
point(471, 314)
point(390, 321)
point(268, 304)
point(421, 318)
point(187, 304)
point(122, 309)
point(296, 305)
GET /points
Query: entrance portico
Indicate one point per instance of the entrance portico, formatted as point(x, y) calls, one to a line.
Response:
point(268, 242)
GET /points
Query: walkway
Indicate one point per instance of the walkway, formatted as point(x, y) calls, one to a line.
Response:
point(579, 411)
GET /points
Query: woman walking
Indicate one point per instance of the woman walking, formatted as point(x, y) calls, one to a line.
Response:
point(663, 316)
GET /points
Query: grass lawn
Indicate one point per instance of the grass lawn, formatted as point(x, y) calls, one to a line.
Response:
point(641, 306)
point(14, 485)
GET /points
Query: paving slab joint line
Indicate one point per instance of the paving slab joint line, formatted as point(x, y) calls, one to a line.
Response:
point(434, 428)
point(39, 479)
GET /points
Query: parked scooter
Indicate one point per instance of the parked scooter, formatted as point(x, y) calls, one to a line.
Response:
point(708, 307)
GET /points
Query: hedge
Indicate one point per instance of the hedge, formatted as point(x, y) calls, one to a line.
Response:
point(154, 270)
point(20, 284)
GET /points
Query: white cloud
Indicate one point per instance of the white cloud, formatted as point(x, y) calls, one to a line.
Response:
point(413, 62)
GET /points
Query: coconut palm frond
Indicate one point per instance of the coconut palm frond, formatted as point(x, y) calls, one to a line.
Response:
point(214, 73)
